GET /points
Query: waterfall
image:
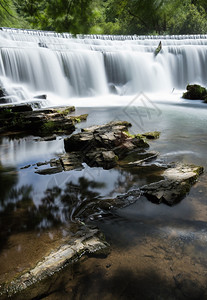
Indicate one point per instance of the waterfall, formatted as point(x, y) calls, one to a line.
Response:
point(35, 62)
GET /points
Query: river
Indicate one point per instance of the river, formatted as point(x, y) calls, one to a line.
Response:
point(157, 251)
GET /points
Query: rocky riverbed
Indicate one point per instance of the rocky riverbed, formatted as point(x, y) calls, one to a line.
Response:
point(106, 146)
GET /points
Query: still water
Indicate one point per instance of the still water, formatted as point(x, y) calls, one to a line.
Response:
point(157, 252)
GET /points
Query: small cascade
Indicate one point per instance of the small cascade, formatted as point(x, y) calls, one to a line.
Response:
point(36, 62)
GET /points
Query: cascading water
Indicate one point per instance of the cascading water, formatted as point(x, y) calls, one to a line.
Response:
point(35, 62)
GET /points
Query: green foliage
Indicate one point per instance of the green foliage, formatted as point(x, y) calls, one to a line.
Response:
point(9, 16)
point(192, 21)
point(107, 16)
point(157, 16)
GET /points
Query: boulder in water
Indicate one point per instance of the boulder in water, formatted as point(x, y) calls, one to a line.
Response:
point(177, 182)
point(103, 145)
point(195, 92)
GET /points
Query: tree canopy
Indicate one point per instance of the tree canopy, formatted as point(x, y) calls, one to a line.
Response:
point(107, 16)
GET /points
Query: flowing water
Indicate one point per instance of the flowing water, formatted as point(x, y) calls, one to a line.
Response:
point(157, 252)
point(65, 67)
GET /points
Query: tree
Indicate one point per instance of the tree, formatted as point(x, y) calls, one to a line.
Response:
point(158, 16)
point(8, 15)
point(190, 21)
point(107, 16)
point(58, 15)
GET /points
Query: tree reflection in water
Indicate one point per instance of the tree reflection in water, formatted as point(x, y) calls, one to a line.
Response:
point(70, 203)
point(19, 213)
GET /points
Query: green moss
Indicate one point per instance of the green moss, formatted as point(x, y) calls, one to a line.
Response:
point(129, 134)
point(195, 92)
point(48, 127)
point(78, 119)
point(66, 111)
point(141, 141)
point(116, 158)
point(151, 135)
point(199, 170)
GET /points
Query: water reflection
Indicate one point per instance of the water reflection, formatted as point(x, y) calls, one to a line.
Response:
point(8, 178)
point(19, 150)
point(78, 196)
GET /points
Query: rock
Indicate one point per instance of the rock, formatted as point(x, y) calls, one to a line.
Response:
point(195, 92)
point(56, 124)
point(39, 164)
point(16, 108)
point(65, 111)
point(36, 104)
point(49, 171)
point(55, 167)
point(41, 97)
point(104, 136)
point(127, 199)
point(71, 161)
point(101, 158)
point(42, 122)
point(148, 157)
point(103, 145)
point(3, 92)
point(104, 207)
point(79, 142)
point(91, 242)
point(119, 125)
point(5, 100)
point(65, 162)
point(152, 135)
point(25, 167)
point(176, 184)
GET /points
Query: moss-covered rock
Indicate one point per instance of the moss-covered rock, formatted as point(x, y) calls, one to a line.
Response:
point(152, 135)
point(41, 122)
point(195, 92)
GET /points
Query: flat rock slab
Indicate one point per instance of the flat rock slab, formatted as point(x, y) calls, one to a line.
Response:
point(176, 184)
point(65, 162)
point(89, 243)
point(148, 157)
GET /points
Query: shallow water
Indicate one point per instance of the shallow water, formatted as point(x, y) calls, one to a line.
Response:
point(158, 252)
